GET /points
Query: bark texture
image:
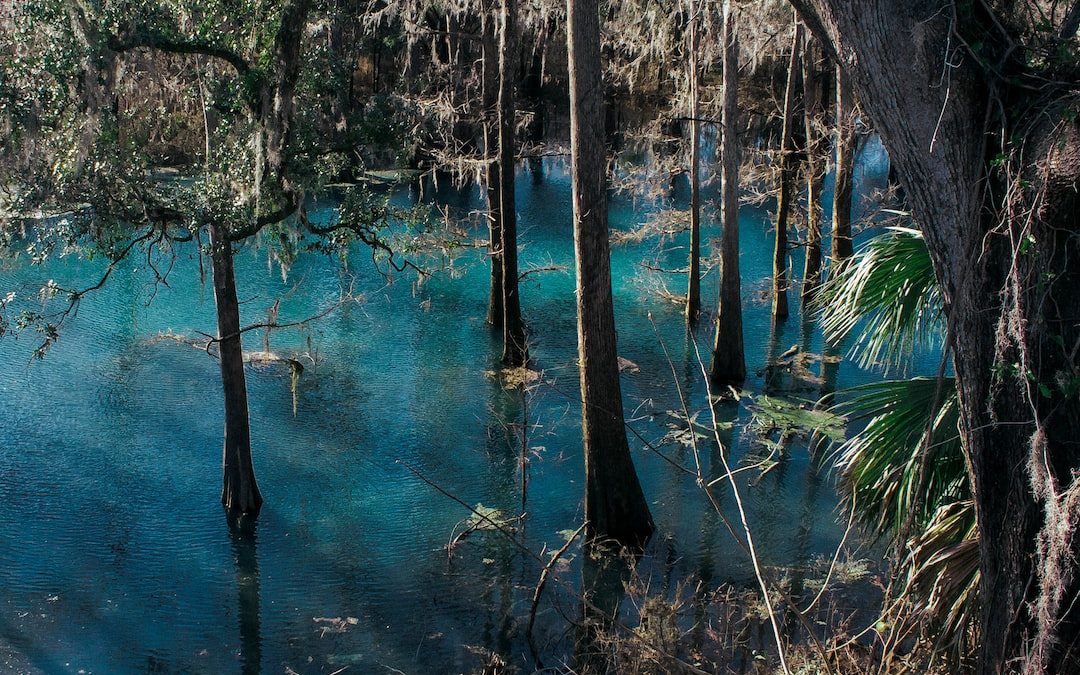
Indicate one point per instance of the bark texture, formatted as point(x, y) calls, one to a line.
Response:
point(615, 506)
point(514, 349)
point(239, 493)
point(929, 100)
point(728, 357)
point(845, 165)
point(491, 149)
point(814, 70)
point(786, 167)
point(693, 289)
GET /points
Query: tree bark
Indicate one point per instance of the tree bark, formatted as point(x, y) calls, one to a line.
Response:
point(615, 506)
point(787, 170)
point(842, 249)
point(239, 493)
point(1019, 426)
point(728, 357)
point(814, 111)
point(515, 352)
point(693, 290)
point(494, 178)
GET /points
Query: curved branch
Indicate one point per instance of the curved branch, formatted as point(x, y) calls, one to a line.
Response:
point(178, 46)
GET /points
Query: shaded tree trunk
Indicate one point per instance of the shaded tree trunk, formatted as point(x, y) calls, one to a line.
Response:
point(693, 290)
point(816, 161)
point(494, 174)
point(842, 249)
point(239, 493)
point(615, 506)
point(728, 357)
point(1019, 427)
point(787, 178)
point(514, 348)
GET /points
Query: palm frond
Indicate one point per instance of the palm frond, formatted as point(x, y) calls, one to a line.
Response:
point(889, 287)
point(881, 463)
point(943, 574)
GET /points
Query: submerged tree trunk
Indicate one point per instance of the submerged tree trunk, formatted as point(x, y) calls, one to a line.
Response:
point(514, 349)
point(1013, 307)
point(728, 358)
point(842, 249)
point(239, 493)
point(490, 102)
point(615, 506)
point(693, 290)
point(787, 170)
point(814, 107)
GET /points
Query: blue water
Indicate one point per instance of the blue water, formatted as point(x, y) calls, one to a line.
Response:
point(115, 555)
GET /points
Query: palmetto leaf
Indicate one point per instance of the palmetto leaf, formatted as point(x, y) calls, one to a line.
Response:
point(881, 464)
point(943, 573)
point(889, 287)
point(896, 475)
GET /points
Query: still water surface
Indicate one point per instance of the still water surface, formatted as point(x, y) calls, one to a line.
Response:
point(115, 555)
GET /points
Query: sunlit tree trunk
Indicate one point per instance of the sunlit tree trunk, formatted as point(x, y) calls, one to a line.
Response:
point(728, 358)
point(845, 166)
point(814, 106)
point(615, 506)
point(787, 169)
point(693, 290)
point(239, 493)
point(514, 349)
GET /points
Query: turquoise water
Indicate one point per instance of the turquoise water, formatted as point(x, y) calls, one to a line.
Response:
point(115, 555)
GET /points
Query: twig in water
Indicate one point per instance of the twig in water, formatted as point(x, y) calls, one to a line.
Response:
point(540, 588)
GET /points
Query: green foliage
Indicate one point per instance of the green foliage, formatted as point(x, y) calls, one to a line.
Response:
point(794, 418)
point(884, 467)
point(905, 470)
point(889, 292)
point(489, 518)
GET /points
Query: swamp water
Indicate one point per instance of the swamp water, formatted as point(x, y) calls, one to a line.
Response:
point(115, 554)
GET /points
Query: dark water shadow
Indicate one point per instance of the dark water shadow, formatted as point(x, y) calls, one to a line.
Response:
point(604, 573)
point(244, 539)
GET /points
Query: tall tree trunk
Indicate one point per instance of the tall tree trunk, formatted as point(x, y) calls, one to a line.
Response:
point(491, 153)
point(693, 289)
point(1019, 426)
point(787, 178)
point(240, 492)
point(615, 506)
point(814, 107)
point(842, 249)
point(728, 357)
point(514, 349)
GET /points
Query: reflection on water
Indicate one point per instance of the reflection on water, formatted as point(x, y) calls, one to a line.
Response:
point(113, 556)
point(242, 533)
point(603, 578)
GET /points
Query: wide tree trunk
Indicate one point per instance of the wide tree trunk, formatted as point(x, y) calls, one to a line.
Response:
point(239, 492)
point(615, 506)
point(490, 95)
point(728, 357)
point(693, 289)
point(786, 167)
point(514, 349)
point(842, 249)
point(1005, 252)
point(814, 67)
